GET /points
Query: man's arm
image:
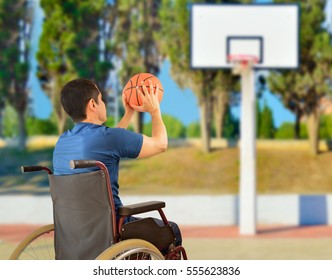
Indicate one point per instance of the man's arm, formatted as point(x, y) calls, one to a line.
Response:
point(158, 142)
point(124, 122)
point(129, 112)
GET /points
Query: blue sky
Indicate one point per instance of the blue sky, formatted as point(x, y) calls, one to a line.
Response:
point(176, 102)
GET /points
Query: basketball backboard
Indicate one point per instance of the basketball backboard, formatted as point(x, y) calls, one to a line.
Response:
point(267, 31)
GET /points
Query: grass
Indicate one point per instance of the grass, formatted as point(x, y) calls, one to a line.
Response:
point(187, 170)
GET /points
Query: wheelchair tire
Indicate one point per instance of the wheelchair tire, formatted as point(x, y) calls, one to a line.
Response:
point(131, 249)
point(39, 245)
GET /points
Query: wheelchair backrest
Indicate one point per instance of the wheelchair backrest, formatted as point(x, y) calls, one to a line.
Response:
point(82, 215)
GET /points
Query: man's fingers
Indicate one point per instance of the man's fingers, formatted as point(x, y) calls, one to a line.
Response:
point(145, 90)
point(137, 108)
point(151, 87)
point(157, 91)
point(142, 96)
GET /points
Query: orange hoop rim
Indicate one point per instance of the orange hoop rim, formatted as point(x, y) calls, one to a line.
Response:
point(242, 59)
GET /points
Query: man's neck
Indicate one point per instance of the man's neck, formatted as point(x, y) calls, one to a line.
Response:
point(92, 120)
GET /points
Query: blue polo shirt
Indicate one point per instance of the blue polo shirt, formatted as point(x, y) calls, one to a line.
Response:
point(98, 142)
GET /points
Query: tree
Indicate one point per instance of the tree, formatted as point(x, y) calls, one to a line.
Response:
point(224, 84)
point(231, 125)
point(135, 43)
point(286, 131)
point(14, 66)
point(175, 128)
point(37, 126)
point(207, 85)
point(10, 122)
point(73, 32)
point(325, 131)
point(193, 130)
point(302, 90)
point(266, 127)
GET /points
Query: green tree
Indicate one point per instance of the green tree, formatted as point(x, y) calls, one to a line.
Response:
point(207, 85)
point(135, 43)
point(224, 84)
point(37, 126)
point(266, 127)
point(193, 130)
point(302, 90)
point(10, 122)
point(69, 47)
point(175, 128)
point(110, 122)
point(325, 130)
point(14, 66)
point(258, 118)
point(231, 125)
point(286, 131)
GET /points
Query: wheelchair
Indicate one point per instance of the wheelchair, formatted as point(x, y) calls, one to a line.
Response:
point(85, 224)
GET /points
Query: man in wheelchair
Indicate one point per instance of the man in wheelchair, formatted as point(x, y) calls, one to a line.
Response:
point(90, 140)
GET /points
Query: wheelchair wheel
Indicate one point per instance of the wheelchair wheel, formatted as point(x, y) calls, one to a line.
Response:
point(131, 249)
point(39, 245)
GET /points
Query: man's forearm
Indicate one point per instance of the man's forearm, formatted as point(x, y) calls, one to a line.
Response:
point(124, 122)
point(159, 131)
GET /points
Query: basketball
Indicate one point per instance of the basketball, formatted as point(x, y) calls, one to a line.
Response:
point(131, 93)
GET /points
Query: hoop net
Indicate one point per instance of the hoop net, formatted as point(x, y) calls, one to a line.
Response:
point(242, 62)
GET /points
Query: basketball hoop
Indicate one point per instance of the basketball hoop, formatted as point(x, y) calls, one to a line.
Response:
point(242, 62)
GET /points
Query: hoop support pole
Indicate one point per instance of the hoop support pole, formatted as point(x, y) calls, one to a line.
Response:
point(247, 205)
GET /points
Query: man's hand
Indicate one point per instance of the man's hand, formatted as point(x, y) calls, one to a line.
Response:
point(126, 106)
point(129, 112)
point(150, 101)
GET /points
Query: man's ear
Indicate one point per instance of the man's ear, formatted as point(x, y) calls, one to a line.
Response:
point(91, 105)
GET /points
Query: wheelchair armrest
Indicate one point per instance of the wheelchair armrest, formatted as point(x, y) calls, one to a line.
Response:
point(142, 207)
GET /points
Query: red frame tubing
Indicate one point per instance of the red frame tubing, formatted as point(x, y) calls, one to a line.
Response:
point(47, 170)
point(110, 196)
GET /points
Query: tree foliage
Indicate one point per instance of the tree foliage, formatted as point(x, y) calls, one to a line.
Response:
point(193, 130)
point(37, 126)
point(175, 128)
point(266, 128)
point(135, 41)
point(325, 131)
point(14, 64)
point(10, 122)
point(302, 90)
point(286, 131)
point(207, 85)
point(69, 47)
point(231, 128)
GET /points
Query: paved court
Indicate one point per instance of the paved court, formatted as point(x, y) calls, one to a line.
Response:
point(225, 243)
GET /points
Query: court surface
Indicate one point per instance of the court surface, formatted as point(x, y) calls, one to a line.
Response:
point(225, 243)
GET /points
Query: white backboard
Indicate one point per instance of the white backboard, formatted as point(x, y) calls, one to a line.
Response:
point(268, 31)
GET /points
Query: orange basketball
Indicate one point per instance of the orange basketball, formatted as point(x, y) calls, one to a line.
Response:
point(131, 92)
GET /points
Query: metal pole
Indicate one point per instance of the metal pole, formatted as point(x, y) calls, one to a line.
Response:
point(248, 153)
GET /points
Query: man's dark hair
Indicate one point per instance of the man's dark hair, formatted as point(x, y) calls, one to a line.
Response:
point(75, 95)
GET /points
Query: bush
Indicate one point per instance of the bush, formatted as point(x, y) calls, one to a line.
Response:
point(175, 128)
point(266, 124)
point(110, 122)
point(194, 130)
point(325, 129)
point(36, 126)
point(286, 131)
point(231, 129)
point(10, 122)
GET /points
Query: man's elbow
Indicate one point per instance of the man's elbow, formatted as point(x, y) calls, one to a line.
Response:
point(164, 148)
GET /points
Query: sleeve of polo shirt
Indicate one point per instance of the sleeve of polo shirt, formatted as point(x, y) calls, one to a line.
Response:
point(126, 143)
